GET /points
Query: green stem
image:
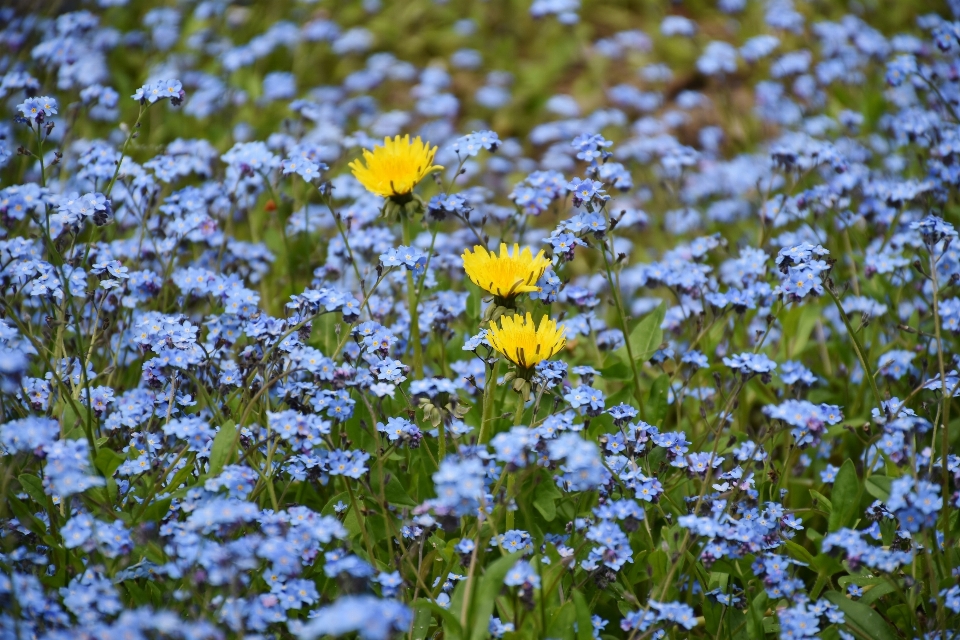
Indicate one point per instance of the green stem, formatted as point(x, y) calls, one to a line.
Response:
point(343, 236)
point(423, 278)
point(936, 90)
point(442, 448)
point(414, 314)
point(123, 150)
point(857, 347)
point(43, 172)
point(268, 473)
point(518, 414)
point(637, 393)
point(65, 393)
point(356, 510)
point(510, 514)
point(945, 395)
point(485, 417)
point(511, 478)
point(464, 608)
point(283, 232)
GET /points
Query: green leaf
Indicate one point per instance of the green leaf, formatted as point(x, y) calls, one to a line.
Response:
point(901, 616)
point(156, 596)
point(352, 524)
point(876, 592)
point(111, 489)
point(156, 510)
point(818, 586)
point(879, 487)
point(798, 552)
point(395, 493)
point(223, 447)
point(421, 621)
point(862, 618)
point(755, 618)
point(545, 500)
point(584, 624)
point(875, 586)
point(561, 622)
point(771, 625)
point(459, 592)
point(25, 516)
point(845, 496)
point(136, 593)
point(33, 485)
point(861, 581)
point(108, 461)
point(823, 502)
point(451, 626)
point(473, 303)
point(179, 480)
point(659, 563)
point(800, 332)
point(827, 564)
point(486, 595)
point(657, 402)
point(328, 509)
point(647, 335)
point(615, 369)
point(376, 527)
point(75, 433)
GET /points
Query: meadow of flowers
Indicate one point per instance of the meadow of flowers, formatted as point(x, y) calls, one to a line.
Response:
point(468, 319)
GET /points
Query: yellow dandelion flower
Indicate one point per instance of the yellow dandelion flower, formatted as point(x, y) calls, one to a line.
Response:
point(524, 344)
point(395, 168)
point(505, 275)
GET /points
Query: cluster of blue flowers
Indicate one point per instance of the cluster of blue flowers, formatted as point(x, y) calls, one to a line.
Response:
point(241, 396)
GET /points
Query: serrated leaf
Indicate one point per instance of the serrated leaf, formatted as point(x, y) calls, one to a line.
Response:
point(862, 618)
point(845, 496)
point(645, 338)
